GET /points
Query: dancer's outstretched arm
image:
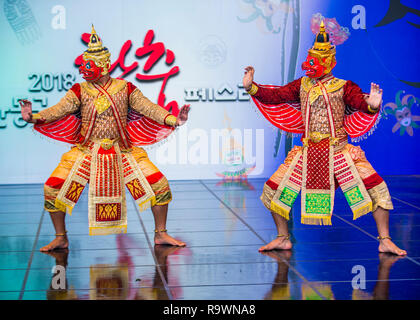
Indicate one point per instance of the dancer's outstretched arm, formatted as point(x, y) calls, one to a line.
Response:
point(144, 106)
point(70, 103)
point(354, 97)
point(280, 94)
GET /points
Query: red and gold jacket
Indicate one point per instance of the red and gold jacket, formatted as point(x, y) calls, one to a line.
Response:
point(117, 109)
point(286, 106)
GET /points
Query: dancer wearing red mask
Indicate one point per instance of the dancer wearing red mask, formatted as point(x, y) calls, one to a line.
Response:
point(105, 120)
point(326, 110)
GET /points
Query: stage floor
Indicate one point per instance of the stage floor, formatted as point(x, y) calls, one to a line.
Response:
point(223, 224)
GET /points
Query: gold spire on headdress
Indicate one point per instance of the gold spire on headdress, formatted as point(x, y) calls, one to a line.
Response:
point(323, 48)
point(96, 52)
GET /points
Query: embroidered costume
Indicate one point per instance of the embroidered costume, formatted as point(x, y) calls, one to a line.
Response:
point(326, 110)
point(106, 124)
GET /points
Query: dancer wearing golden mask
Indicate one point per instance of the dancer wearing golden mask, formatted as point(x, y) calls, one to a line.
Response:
point(106, 120)
point(326, 110)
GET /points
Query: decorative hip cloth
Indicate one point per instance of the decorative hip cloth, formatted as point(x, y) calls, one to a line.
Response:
point(107, 169)
point(352, 172)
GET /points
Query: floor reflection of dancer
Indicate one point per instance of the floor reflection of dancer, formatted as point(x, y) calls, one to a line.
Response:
point(155, 289)
point(104, 119)
point(381, 289)
point(280, 289)
point(57, 290)
point(326, 110)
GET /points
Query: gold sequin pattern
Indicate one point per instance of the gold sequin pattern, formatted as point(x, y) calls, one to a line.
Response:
point(105, 124)
point(67, 105)
point(146, 107)
point(319, 121)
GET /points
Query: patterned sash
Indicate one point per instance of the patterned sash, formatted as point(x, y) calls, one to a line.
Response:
point(107, 205)
point(318, 188)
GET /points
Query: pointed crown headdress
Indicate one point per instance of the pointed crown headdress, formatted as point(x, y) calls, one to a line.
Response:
point(323, 48)
point(98, 53)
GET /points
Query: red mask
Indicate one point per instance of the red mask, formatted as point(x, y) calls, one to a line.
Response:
point(90, 71)
point(313, 68)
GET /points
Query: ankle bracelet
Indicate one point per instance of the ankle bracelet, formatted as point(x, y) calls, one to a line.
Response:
point(163, 230)
point(61, 234)
point(287, 237)
point(383, 238)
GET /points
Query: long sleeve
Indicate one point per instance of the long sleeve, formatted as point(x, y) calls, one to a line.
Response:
point(70, 103)
point(353, 96)
point(287, 93)
point(143, 105)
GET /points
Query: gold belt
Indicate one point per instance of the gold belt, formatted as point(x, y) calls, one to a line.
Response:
point(318, 137)
point(105, 143)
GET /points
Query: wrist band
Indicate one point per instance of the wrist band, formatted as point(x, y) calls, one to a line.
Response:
point(372, 110)
point(170, 120)
point(253, 90)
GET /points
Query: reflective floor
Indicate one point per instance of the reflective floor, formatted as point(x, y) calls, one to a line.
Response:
point(223, 224)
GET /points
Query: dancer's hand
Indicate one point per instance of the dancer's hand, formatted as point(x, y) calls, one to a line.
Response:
point(26, 110)
point(374, 99)
point(183, 115)
point(248, 78)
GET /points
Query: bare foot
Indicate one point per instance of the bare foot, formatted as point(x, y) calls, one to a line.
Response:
point(164, 238)
point(280, 243)
point(386, 245)
point(59, 242)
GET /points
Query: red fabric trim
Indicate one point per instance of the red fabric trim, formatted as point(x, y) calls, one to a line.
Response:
point(66, 129)
point(76, 89)
point(131, 87)
point(155, 177)
point(272, 184)
point(372, 181)
point(55, 182)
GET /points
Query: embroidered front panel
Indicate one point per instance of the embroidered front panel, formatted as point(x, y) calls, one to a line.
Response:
point(318, 203)
point(108, 212)
point(107, 206)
